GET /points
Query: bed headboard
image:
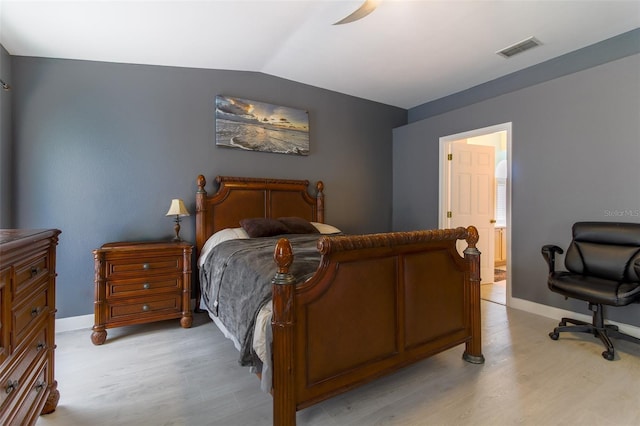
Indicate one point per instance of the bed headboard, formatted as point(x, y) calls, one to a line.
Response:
point(239, 198)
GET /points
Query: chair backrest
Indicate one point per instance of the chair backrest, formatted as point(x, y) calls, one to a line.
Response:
point(606, 250)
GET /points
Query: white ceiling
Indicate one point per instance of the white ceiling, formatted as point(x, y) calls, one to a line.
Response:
point(405, 53)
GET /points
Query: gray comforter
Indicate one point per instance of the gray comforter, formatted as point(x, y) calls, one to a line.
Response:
point(236, 282)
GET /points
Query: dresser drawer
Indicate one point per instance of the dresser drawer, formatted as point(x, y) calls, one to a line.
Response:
point(31, 271)
point(145, 307)
point(5, 273)
point(139, 266)
point(143, 286)
point(16, 379)
point(28, 314)
point(5, 313)
point(35, 394)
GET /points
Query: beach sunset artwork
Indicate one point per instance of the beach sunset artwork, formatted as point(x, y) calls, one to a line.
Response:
point(258, 126)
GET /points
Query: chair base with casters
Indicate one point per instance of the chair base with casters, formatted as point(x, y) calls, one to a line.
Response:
point(603, 268)
point(598, 328)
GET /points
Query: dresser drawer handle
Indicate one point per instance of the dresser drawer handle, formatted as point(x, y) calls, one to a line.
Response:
point(40, 346)
point(34, 271)
point(11, 386)
point(40, 385)
point(145, 308)
point(146, 266)
point(146, 286)
point(35, 311)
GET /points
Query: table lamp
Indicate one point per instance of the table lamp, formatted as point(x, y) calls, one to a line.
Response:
point(177, 209)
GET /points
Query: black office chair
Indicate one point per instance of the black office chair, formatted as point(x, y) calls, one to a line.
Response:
point(603, 268)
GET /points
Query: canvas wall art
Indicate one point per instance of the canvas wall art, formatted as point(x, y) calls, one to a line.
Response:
point(259, 126)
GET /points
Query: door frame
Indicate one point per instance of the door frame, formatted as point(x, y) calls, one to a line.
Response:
point(445, 188)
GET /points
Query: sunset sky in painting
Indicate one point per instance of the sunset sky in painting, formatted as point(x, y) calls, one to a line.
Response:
point(262, 113)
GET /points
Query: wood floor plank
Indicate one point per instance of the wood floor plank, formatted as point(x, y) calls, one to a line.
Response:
point(162, 374)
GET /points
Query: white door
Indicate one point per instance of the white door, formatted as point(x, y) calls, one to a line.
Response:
point(472, 198)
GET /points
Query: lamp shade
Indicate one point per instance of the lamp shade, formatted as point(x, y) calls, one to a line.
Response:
point(177, 208)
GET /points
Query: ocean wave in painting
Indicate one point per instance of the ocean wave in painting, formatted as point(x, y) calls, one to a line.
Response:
point(258, 126)
point(255, 137)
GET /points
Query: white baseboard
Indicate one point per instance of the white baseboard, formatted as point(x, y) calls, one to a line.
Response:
point(79, 322)
point(86, 321)
point(556, 313)
point(74, 323)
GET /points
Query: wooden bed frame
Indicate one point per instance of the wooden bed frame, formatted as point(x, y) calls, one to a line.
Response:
point(376, 303)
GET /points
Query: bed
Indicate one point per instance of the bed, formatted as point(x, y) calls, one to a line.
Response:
point(373, 304)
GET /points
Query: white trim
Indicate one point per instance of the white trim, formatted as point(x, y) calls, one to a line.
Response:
point(557, 314)
point(74, 323)
point(85, 322)
point(444, 149)
point(81, 322)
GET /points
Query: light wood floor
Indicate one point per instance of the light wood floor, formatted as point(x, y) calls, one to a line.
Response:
point(494, 292)
point(161, 374)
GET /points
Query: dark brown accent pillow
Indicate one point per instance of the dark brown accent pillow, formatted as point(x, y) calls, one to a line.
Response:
point(263, 227)
point(298, 225)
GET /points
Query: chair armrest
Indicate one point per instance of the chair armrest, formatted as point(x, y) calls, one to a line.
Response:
point(549, 253)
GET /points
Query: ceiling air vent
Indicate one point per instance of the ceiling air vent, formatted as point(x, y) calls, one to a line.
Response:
point(514, 49)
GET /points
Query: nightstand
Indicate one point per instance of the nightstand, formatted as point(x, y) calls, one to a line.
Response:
point(141, 282)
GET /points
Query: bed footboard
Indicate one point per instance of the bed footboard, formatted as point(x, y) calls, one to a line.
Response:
point(376, 303)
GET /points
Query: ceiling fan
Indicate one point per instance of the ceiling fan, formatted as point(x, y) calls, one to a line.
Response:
point(366, 8)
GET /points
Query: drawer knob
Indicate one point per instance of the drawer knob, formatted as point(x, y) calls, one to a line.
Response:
point(40, 385)
point(34, 271)
point(146, 286)
point(35, 311)
point(145, 308)
point(40, 346)
point(11, 386)
point(146, 266)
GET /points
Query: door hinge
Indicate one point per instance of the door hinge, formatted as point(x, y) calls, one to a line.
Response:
point(449, 215)
point(449, 157)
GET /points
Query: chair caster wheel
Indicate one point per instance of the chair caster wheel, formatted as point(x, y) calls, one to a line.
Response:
point(607, 355)
point(554, 335)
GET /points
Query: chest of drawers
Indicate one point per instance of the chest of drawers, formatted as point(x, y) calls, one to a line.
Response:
point(27, 325)
point(139, 283)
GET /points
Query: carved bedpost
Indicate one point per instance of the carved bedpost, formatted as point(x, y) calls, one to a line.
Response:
point(201, 211)
point(473, 349)
point(99, 334)
point(284, 405)
point(320, 201)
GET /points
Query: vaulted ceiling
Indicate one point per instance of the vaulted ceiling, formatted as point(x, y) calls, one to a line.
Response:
point(405, 53)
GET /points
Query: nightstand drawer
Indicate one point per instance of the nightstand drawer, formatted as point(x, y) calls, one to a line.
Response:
point(142, 286)
point(142, 265)
point(146, 307)
point(31, 271)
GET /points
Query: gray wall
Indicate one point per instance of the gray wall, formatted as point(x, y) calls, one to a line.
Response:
point(575, 156)
point(102, 148)
point(6, 143)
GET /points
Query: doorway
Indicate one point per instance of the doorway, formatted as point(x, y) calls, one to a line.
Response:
point(493, 229)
